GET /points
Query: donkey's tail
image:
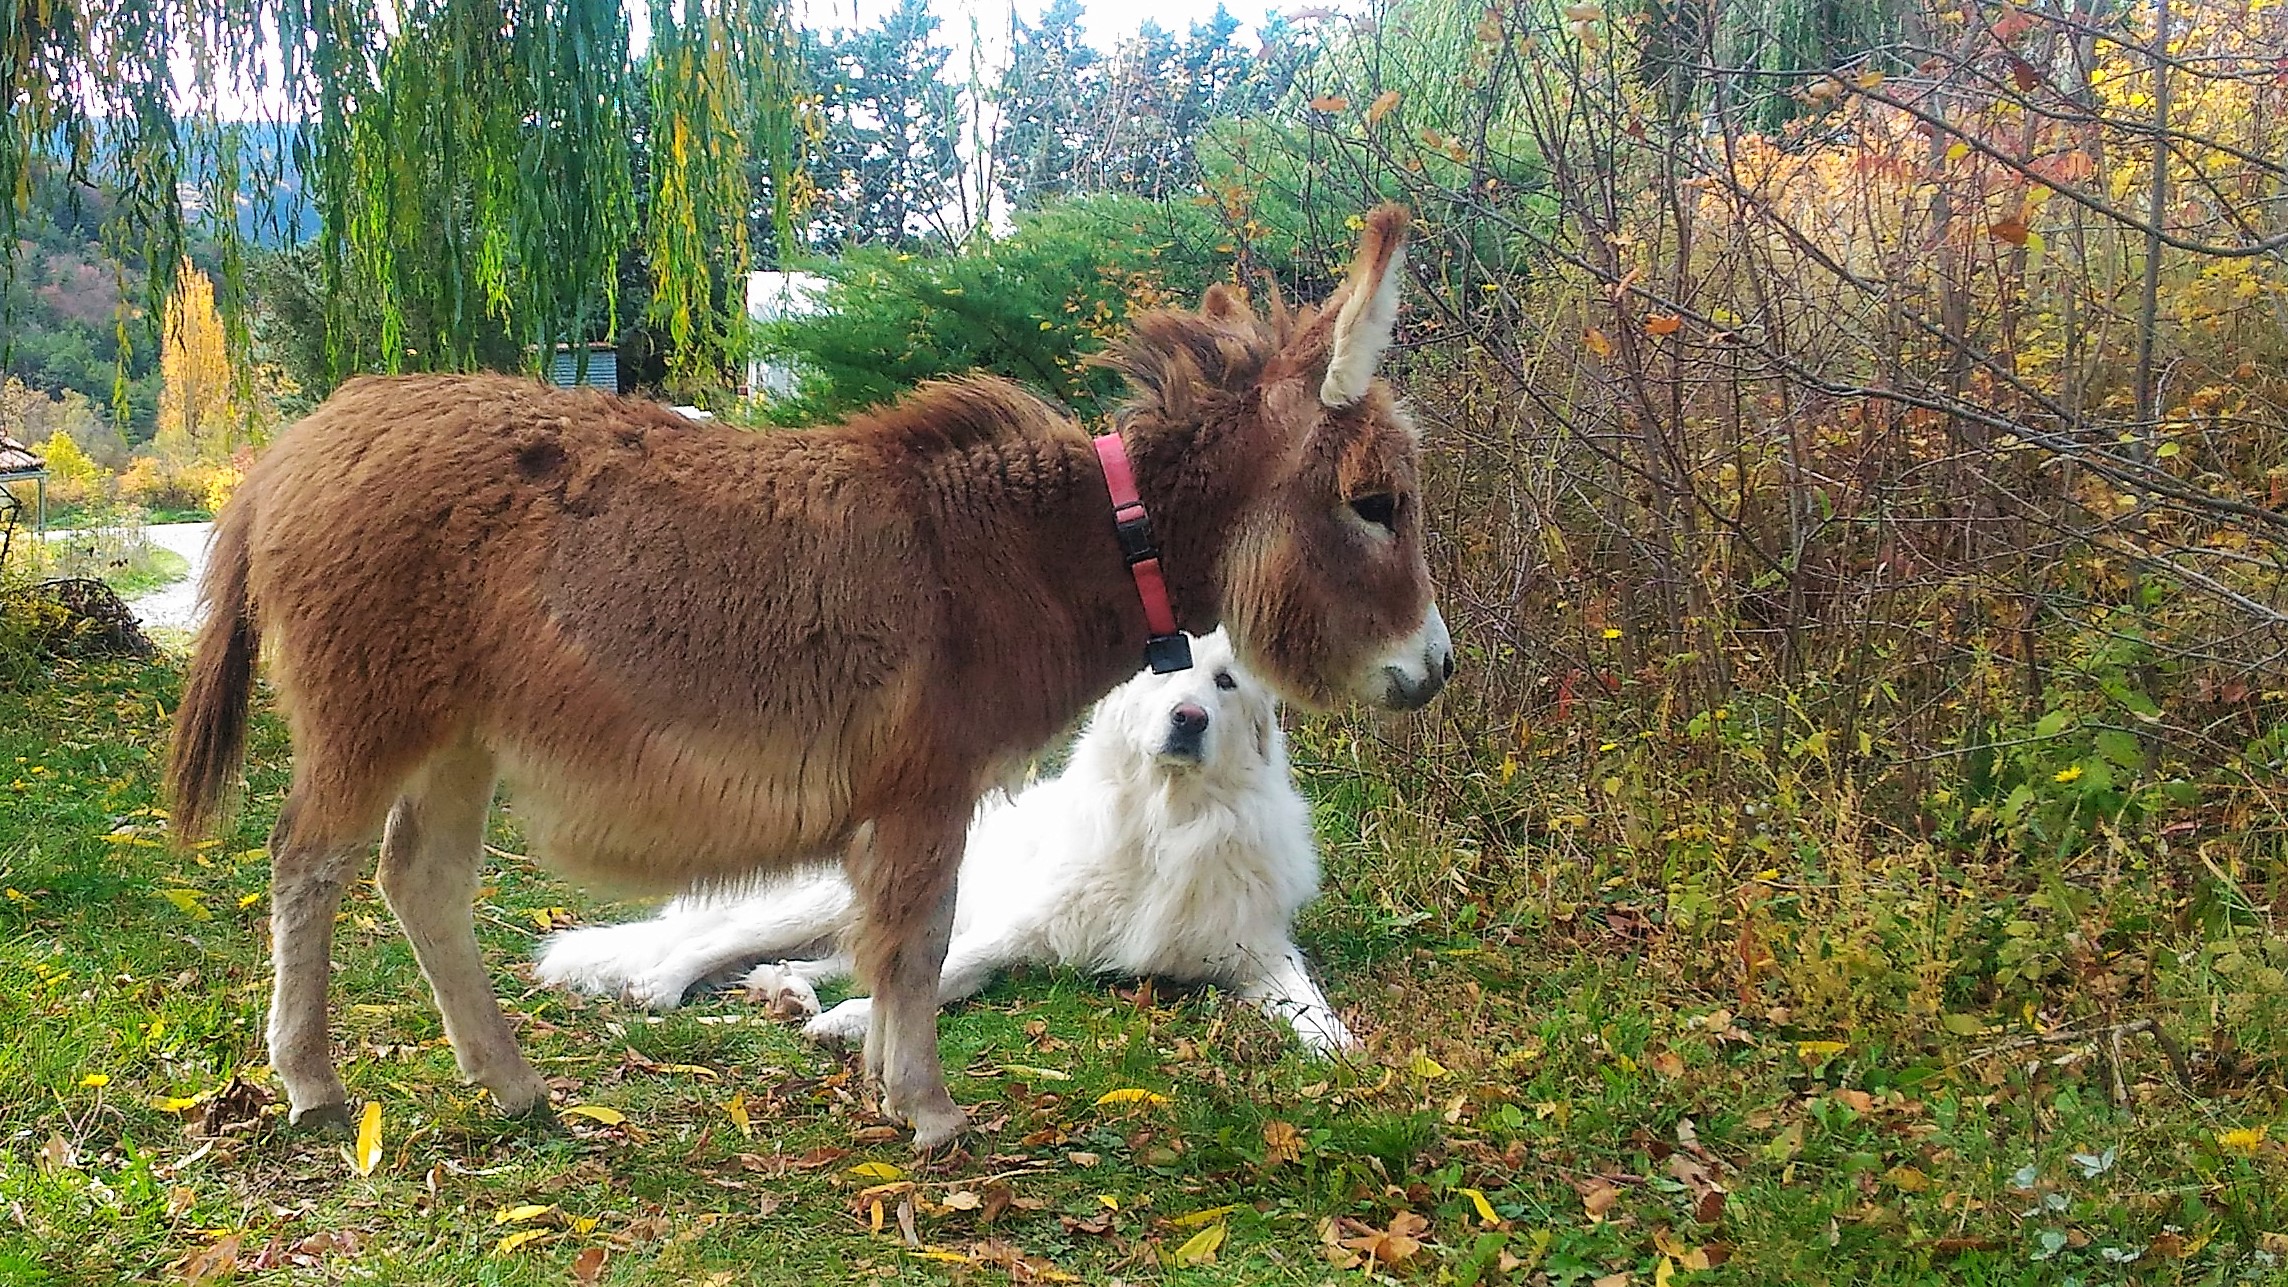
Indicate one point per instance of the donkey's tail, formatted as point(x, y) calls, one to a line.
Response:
point(210, 725)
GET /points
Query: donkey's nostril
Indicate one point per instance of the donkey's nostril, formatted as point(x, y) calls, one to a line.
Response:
point(1189, 719)
point(1449, 665)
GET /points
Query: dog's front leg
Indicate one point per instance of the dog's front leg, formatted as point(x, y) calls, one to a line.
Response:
point(1284, 990)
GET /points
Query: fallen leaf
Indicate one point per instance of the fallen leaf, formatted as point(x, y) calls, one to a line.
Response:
point(1611, 1280)
point(1598, 1197)
point(588, 1266)
point(1815, 1052)
point(210, 1264)
point(520, 1239)
point(737, 1108)
point(1030, 1073)
point(1686, 1257)
point(187, 902)
point(521, 1214)
point(597, 1113)
point(1485, 1208)
point(1200, 1248)
point(963, 1200)
point(1202, 1216)
point(1423, 1066)
point(1668, 1064)
point(1281, 1143)
point(368, 1154)
point(1129, 1095)
point(877, 1171)
point(1083, 1159)
point(1907, 1179)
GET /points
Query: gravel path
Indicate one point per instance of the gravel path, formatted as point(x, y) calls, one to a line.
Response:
point(176, 606)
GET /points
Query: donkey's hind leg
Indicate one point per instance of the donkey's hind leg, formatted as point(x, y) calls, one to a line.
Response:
point(906, 883)
point(429, 859)
point(309, 863)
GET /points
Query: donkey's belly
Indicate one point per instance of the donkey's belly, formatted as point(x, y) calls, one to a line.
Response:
point(680, 817)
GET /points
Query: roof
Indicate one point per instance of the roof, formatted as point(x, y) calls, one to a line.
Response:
point(16, 458)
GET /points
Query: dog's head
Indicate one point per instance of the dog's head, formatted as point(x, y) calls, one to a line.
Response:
point(1212, 718)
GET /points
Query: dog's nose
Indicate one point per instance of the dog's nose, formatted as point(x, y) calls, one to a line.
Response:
point(1189, 718)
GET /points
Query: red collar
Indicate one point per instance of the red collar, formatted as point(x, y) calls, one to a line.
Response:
point(1165, 648)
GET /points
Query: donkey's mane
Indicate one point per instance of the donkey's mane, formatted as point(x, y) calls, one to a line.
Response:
point(1171, 354)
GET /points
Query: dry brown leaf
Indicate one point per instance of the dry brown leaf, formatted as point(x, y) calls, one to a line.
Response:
point(1598, 344)
point(1381, 106)
point(1329, 103)
point(588, 1266)
point(2012, 230)
point(1598, 1197)
point(1668, 1064)
point(1663, 324)
point(1281, 1143)
point(210, 1264)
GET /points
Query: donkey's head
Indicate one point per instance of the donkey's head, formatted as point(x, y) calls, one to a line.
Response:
point(1321, 576)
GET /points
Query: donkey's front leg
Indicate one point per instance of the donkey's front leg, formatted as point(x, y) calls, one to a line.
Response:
point(906, 882)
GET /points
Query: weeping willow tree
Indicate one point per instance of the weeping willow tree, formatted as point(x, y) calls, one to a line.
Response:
point(474, 164)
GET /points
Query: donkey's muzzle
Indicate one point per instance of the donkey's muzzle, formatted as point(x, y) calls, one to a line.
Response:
point(1419, 667)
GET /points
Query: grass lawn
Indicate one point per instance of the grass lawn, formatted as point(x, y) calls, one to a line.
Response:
point(1584, 1081)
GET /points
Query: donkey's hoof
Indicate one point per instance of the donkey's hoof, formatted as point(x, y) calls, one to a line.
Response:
point(323, 1119)
point(937, 1125)
point(517, 1096)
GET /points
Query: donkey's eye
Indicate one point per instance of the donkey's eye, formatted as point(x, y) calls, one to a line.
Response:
point(1225, 682)
point(1378, 508)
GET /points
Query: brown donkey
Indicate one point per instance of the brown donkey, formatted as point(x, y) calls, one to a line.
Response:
point(697, 653)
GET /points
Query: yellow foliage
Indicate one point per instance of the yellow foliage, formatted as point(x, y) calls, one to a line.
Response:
point(199, 411)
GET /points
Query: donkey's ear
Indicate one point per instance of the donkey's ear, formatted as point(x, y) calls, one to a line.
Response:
point(1370, 307)
point(1225, 304)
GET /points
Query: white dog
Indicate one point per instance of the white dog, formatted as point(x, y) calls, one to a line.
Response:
point(1174, 845)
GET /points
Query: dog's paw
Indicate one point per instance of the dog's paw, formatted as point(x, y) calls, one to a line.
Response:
point(844, 1025)
point(583, 960)
point(656, 991)
point(780, 990)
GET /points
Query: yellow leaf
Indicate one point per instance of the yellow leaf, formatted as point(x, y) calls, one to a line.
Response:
point(97, 1080)
point(520, 1214)
point(1869, 79)
point(1281, 1143)
point(1907, 1179)
point(1110, 1200)
point(1958, 151)
point(1423, 1066)
point(877, 1171)
point(2245, 1139)
point(187, 902)
point(1030, 1073)
point(1202, 1216)
point(1485, 1208)
point(586, 1223)
point(1814, 1051)
point(737, 1108)
point(1597, 343)
point(1381, 106)
point(1200, 1248)
point(368, 1154)
point(521, 1238)
point(1129, 1095)
point(1664, 1273)
point(597, 1113)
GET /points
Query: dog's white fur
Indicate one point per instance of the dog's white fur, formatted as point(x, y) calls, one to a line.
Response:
point(1154, 853)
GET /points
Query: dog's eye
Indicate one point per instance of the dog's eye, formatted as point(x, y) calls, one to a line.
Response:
point(1225, 682)
point(1378, 508)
